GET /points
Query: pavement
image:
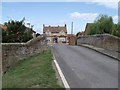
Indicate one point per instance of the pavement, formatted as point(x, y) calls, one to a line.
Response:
point(110, 53)
point(86, 68)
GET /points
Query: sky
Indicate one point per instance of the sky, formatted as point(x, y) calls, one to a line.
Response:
point(58, 13)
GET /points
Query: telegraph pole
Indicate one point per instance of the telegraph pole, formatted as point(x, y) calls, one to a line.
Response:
point(72, 28)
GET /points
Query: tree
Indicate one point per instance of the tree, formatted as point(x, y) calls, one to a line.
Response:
point(104, 24)
point(79, 34)
point(116, 30)
point(16, 32)
point(94, 29)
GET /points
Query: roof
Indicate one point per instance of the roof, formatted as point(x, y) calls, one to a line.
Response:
point(54, 29)
point(3, 27)
point(27, 28)
point(88, 28)
point(71, 35)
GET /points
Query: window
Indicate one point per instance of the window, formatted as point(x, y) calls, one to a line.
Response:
point(62, 33)
point(48, 33)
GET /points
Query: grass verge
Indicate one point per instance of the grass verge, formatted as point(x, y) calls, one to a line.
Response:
point(34, 72)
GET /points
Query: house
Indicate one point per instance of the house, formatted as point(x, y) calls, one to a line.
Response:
point(79, 34)
point(29, 30)
point(88, 28)
point(55, 34)
point(4, 27)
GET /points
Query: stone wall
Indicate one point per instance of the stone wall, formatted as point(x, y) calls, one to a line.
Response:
point(13, 52)
point(105, 41)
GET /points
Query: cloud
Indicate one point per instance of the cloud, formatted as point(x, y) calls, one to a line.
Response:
point(107, 3)
point(75, 14)
point(90, 17)
point(113, 5)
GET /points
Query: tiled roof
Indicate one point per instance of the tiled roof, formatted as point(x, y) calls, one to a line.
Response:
point(87, 28)
point(54, 29)
point(71, 35)
point(3, 27)
point(29, 29)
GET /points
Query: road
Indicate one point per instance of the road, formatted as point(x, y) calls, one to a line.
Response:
point(86, 68)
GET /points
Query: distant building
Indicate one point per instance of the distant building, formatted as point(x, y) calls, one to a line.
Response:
point(3, 27)
point(32, 31)
point(71, 39)
point(88, 28)
point(79, 34)
point(56, 34)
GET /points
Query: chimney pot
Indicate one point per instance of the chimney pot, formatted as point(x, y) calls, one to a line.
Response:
point(65, 25)
point(43, 25)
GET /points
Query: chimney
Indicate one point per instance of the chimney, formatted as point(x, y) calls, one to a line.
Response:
point(65, 25)
point(43, 25)
point(72, 28)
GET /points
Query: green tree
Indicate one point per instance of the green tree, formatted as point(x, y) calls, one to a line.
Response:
point(94, 29)
point(116, 30)
point(104, 24)
point(16, 32)
point(77, 34)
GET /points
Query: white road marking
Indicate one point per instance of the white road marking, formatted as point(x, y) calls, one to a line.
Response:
point(61, 75)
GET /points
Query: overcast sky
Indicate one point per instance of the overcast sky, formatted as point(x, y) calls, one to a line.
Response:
point(58, 13)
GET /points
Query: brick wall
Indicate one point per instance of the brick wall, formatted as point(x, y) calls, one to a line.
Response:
point(105, 41)
point(13, 52)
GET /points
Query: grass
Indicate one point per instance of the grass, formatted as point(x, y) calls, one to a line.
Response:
point(34, 72)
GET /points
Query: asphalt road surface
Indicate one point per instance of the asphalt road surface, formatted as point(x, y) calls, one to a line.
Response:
point(86, 68)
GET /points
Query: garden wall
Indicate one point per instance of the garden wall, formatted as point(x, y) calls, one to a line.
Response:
point(13, 52)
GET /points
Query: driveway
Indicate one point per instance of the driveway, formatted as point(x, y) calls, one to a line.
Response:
point(86, 68)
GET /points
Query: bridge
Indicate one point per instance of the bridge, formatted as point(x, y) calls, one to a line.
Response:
point(85, 68)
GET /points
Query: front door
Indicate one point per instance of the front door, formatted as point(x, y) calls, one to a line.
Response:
point(56, 40)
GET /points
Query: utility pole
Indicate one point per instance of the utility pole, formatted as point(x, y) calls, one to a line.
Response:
point(72, 28)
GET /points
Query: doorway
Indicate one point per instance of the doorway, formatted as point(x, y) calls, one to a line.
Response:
point(55, 40)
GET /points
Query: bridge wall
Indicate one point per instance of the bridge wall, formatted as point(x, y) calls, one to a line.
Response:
point(13, 52)
point(105, 41)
